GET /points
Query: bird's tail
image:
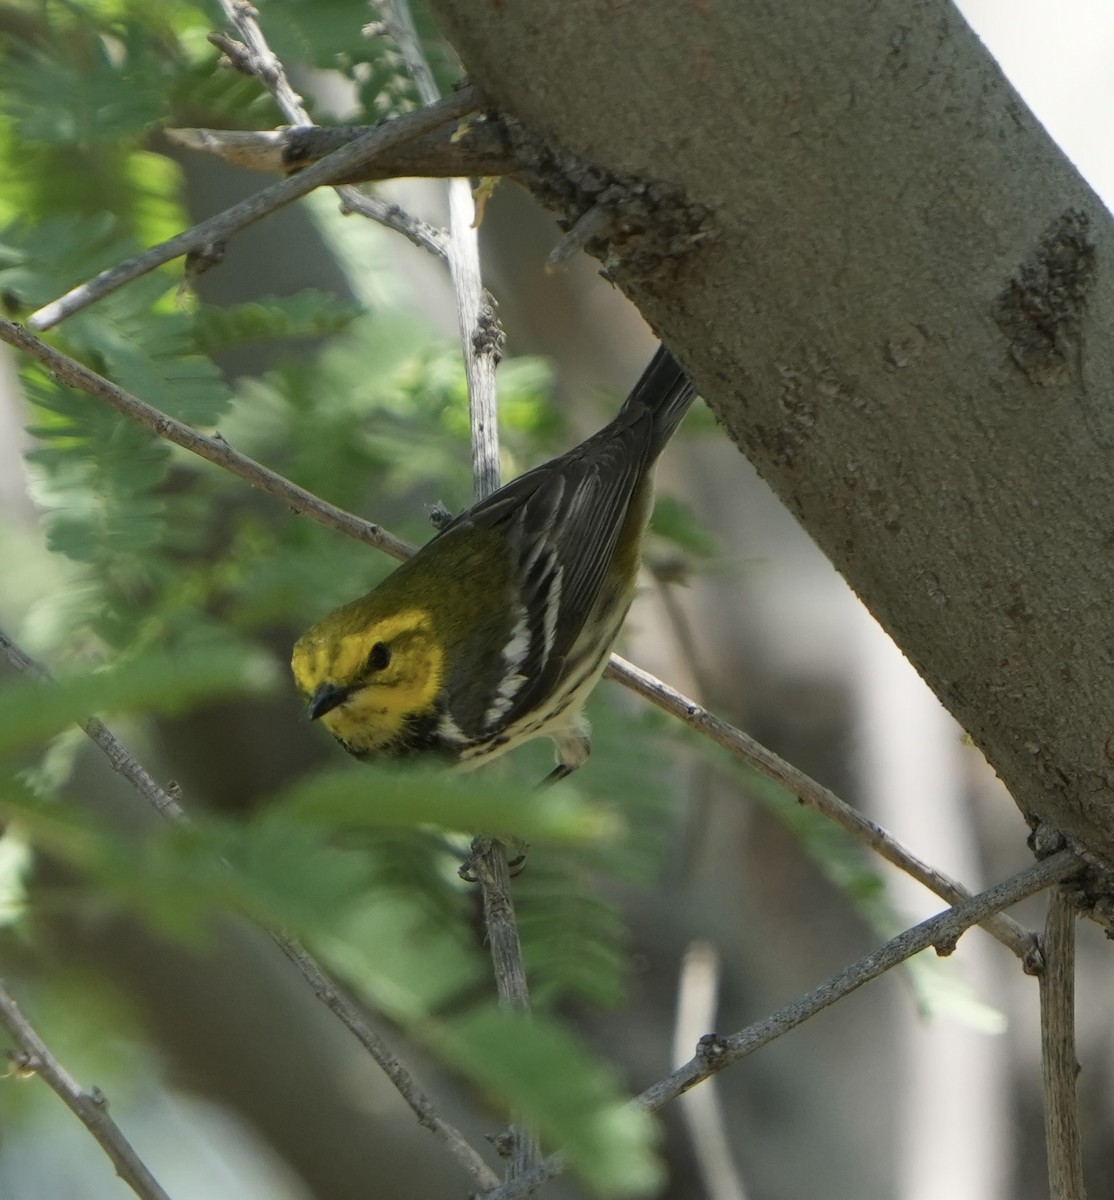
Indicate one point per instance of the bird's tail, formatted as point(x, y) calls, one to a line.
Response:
point(666, 390)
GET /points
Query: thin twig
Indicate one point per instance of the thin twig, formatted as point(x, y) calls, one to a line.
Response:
point(256, 58)
point(488, 866)
point(702, 1109)
point(481, 341)
point(1020, 940)
point(480, 337)
point(207, 237)
point(337, 1002)
point(215, 450)
point(118, 757)
point(1059, 1067)
point(90, 1107)
point(323, 987)
point(941, 932)
point(715, 1053)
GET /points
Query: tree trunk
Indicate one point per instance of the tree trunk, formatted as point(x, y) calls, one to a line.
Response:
point(888, 282)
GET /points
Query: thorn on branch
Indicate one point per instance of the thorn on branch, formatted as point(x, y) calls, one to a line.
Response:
point(502, 1143)
point(710, 1049)
point(25, 1065)
point(198, 261)
point(1033, 961)
point(590, 225)
point(946, 946)
point(237, 56)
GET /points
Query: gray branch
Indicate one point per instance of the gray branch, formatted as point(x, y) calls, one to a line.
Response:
point(1016, 937)
point(256, 58)
point(213, 449)
point(1059, 1066)
point(323, 987)
point(90, 1107)
point(715, 1053)
point(481, 343)
point(216, 450)
point(206, 238)
point(898, 300)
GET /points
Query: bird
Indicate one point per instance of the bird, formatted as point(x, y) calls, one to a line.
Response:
point(498, 628)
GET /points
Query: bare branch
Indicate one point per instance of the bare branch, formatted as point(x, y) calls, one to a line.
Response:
point(90, 1107)
point(941, 932)
point(214, 449)
point(323, 987)
point(119, 759)
point(481, 342)
point(206, 238)
point(715, 1053)
point(480, 336)
point(255, 57)
point(338, 1003)
point(1059, 1067)
point(702, 1109)
point(472, 148)
point(1016, 937)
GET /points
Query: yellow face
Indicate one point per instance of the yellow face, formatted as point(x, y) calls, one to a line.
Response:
point(368, 676)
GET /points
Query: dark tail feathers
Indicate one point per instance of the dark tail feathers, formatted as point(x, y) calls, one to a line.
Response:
point(667, 391)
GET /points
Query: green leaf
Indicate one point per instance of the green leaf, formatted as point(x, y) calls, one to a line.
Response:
point(573, 939)
point(31, 711)
point(151, 353)
point(404, 956)
point(15, 868)
point(539, 1070)
point(80, 102)
point(675, 521)
point(307, 314)
point(371, 797)
point(41, 259)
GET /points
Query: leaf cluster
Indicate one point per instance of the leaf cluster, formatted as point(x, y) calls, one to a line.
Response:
point(164, 590)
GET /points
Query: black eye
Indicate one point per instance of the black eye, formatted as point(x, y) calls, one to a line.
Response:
point(379, 657)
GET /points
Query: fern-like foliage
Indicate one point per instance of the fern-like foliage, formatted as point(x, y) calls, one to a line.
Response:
point(171, 583)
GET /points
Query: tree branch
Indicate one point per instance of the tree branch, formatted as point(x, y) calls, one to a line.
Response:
point(715, 1053)
point(1059, 1066)
point(342, 1006)
point(1016, 937)
point(207, 237)
point(481, 343)
point(90, 1107)
point(915, 367)
point(216, 450)
point(256, 58)
point(323, 987)
point(475, 148)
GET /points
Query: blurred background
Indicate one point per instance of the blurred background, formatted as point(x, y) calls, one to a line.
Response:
point(721, 902)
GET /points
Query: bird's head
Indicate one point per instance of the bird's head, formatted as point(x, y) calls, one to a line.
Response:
point(372, 678)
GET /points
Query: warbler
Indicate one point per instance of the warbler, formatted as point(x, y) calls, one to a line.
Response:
point(499, 627)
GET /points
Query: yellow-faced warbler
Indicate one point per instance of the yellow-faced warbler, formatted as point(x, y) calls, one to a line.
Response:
point(499, 627)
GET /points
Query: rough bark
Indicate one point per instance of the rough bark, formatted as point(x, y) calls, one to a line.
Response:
point(894, 289)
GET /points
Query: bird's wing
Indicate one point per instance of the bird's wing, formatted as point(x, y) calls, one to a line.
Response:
point(561, 523)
